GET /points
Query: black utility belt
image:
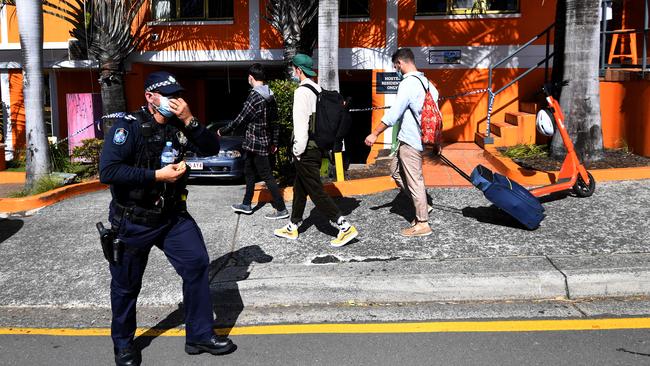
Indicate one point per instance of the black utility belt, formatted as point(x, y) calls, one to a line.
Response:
point(151, 217)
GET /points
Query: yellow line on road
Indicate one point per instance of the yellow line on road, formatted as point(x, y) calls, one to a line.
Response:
point(424, 327)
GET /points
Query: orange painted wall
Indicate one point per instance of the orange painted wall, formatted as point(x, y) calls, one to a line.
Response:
point(367, 34)
point(535, 16)
point(17, 109)
point(625, 114)
point(201, 37)
point(56, 29)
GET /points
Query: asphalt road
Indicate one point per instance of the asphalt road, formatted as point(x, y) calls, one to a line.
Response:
point(613, 347)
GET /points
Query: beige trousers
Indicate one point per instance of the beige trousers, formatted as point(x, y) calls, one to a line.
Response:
point(406, 170)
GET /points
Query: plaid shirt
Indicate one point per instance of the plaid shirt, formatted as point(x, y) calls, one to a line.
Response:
point(260, 133)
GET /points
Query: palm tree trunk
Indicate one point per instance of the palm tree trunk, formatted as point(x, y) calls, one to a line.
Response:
point(328, 44)
point(30, 28)
point(112, 87)
point(580, 100)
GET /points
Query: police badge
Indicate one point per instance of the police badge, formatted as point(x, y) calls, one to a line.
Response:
point(120, 136)
point(182, 139)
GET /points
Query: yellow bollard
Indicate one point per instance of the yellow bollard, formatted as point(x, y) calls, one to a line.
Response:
point(338, 161)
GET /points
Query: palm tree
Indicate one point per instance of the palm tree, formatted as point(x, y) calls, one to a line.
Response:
point(30, 28)
point(293, 19)
point(328, 44)
point(104, 32)
point(577, 55)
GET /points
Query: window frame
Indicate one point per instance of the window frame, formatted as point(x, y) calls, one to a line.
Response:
point(465, 11)
point(355, 16)
point(206, 11)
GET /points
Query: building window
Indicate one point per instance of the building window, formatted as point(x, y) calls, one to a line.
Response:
point(192, 9)
point(354, 9)
point(442, 7)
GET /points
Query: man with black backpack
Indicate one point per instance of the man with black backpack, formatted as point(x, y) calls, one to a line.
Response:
point(408, 107)
point(318, 126)
point(259, 114)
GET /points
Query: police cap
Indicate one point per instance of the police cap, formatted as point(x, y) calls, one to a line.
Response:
point(163, 82)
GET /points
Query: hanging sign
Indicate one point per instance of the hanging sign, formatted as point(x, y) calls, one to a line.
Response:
point(387, 83)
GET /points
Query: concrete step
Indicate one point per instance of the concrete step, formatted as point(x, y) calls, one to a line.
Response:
point(529, 107)
point(526, 124)
point(479, 139)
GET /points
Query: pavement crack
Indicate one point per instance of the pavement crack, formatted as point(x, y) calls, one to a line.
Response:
point(566, 280)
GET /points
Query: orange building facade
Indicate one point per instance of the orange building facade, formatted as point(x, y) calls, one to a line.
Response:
point(211, 51)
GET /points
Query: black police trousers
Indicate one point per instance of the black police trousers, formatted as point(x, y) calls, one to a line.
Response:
point(182, 242)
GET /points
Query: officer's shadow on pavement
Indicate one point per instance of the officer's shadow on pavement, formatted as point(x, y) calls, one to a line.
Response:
point(9, 228)
point(224, 273)
point(346, 204)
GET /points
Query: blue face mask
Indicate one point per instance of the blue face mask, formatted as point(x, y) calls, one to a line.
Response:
point(399, 74)
point(294, 77)
point(163, 108)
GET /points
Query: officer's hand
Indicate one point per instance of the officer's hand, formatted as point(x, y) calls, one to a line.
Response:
point(371, 139)
point(180, 108)
point(170, 173)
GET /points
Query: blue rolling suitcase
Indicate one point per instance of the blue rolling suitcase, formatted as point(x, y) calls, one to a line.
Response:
point(505, 194)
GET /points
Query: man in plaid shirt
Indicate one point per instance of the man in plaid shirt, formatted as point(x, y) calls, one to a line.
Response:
point(259, 115)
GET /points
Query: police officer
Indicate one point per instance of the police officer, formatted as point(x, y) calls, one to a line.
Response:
point(148, 208)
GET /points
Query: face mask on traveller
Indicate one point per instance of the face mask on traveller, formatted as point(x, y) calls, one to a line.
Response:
point(399, 74)
point(294, 76)
point(163, 108)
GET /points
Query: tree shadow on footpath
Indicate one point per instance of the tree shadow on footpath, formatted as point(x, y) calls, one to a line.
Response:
point(224, 272)
point(345, 204)
point(9, 228)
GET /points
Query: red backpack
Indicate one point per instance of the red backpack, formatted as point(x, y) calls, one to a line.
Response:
point(431, 120)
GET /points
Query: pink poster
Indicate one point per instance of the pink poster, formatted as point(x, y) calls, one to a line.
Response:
point(84, 109)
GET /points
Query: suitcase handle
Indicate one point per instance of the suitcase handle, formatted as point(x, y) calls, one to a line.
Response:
point(453, 166)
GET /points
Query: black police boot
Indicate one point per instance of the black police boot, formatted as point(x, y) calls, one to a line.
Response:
point(215, 345)
point(127, 357)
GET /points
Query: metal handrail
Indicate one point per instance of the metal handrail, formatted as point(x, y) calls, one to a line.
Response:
point(492, 94)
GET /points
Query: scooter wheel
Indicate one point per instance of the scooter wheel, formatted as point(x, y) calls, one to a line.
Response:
point(583, 189)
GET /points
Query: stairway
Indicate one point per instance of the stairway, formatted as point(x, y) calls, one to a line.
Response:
point(517, 128)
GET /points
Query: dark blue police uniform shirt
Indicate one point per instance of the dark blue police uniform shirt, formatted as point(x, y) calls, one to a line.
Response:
point(120, 151)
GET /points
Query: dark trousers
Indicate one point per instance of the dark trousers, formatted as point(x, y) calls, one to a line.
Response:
point(308, 183)
point(182, 242)
point(260, 163)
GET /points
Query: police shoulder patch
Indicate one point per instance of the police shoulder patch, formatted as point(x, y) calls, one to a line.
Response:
point(120, 136)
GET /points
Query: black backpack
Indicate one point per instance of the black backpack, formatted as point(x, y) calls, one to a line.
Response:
point(332, 121)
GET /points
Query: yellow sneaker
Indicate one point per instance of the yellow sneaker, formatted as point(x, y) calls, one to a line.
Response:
point(287, 232)
point(344, 237)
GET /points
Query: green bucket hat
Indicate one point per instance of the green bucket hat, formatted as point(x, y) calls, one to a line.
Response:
point(305, 63)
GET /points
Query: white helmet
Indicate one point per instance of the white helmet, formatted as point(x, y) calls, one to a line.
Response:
point(545, 122)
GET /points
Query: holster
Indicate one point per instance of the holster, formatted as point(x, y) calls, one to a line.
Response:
point(111, 246)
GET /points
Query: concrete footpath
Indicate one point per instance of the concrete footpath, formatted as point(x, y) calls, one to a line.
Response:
point(585, 247)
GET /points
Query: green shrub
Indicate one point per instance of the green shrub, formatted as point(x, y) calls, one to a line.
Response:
point(283, 92)
point(17, 164)
point(526, 151)
point(46, 183)
point(89, 152)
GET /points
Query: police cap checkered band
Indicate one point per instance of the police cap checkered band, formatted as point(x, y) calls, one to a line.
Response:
point(163, 82)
